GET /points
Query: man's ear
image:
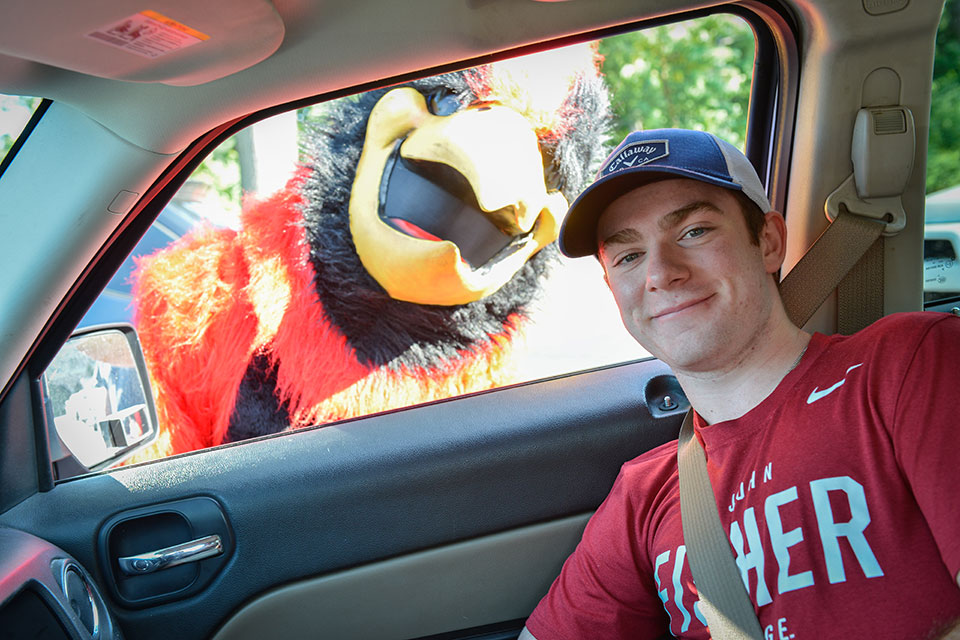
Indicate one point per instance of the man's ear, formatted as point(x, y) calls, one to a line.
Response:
point(773, 241)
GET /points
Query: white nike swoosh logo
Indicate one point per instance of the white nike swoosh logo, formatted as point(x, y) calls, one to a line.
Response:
point(816, 394)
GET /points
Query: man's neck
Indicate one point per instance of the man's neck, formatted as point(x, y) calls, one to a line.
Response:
point(731, 390)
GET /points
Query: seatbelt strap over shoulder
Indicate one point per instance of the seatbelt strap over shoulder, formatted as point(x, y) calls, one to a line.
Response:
point(723, 598)
point(832, 257)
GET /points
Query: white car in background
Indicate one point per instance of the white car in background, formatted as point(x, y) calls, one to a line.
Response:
point(941, 242)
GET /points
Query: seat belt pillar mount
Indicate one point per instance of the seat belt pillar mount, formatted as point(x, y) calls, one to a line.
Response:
point(846, 199)
point(882, 151)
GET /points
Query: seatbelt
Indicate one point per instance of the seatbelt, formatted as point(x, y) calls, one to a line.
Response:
point(849, 253)
point(822, 268)
point(723, 598)
point(860, 293)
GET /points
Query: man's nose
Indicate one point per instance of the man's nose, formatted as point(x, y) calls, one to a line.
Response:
point(665, 268)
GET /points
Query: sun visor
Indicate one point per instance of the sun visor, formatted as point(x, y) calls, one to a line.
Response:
point(175, 42)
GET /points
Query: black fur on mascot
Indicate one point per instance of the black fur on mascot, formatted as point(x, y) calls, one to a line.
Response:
point(396, 268)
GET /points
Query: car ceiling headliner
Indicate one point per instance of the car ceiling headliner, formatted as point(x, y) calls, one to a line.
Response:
point(303, 48)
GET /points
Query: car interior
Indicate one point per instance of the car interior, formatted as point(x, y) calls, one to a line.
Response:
point(444, 520)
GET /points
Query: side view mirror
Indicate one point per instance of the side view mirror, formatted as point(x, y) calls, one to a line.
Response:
point(97, 397)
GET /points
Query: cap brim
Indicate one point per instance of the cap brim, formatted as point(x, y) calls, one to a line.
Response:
point(578, 235)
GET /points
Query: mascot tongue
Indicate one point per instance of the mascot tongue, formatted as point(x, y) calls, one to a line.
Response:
point(439, 207)
point(412, 230)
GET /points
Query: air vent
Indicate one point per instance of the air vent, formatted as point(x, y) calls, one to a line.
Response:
point(888, 121)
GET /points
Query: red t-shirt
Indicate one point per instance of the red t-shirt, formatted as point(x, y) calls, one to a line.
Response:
point(840, 493)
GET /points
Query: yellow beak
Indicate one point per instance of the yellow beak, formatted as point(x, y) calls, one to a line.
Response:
point(496, 152)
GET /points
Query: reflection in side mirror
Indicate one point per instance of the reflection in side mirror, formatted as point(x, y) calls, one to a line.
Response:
point(97, 393)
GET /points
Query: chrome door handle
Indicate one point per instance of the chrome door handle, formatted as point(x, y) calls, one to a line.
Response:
point(151, 561)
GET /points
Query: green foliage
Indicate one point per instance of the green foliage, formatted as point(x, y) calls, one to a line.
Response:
point(694, 75)
point(15, 112)
point(221, 171)
point(943, 153)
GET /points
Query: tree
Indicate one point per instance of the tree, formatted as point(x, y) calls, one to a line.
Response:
point(943, 153)
point(694, 74)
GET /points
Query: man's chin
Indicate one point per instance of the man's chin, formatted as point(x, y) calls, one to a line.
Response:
point(694, 355)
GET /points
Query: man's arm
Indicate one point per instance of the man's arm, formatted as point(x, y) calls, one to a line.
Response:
point(924, 433)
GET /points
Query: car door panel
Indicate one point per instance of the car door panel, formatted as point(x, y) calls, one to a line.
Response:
point(324, 501)
point(465, 585)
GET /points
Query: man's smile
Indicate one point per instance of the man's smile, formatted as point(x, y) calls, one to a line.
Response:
point(677, 308)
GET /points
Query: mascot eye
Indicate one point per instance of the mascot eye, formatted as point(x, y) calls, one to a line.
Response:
point(443, 102)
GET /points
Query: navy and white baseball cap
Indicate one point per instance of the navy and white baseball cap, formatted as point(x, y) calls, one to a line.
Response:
point(648, 156)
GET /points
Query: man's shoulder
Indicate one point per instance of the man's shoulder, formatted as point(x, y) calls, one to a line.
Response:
point(644, 484)
point(887, 349)
point(651, 465)
point(905, 323)
point(904, 329)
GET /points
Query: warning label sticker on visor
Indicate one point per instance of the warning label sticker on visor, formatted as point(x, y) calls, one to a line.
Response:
point(148, 34)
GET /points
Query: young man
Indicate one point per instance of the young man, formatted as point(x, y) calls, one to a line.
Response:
point(833, 460)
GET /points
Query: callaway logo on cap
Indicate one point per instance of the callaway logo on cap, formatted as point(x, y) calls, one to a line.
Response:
point(635, 155)
point(648, 156)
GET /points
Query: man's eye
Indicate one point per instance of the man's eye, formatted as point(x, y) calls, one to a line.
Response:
point(443, 102)
point(696, 232)
point(627, 258)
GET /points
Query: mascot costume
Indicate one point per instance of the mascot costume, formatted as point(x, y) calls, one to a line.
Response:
point(395, 268)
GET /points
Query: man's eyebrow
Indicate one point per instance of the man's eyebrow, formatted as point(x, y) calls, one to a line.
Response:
point(676, 217)
point(624, 236)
